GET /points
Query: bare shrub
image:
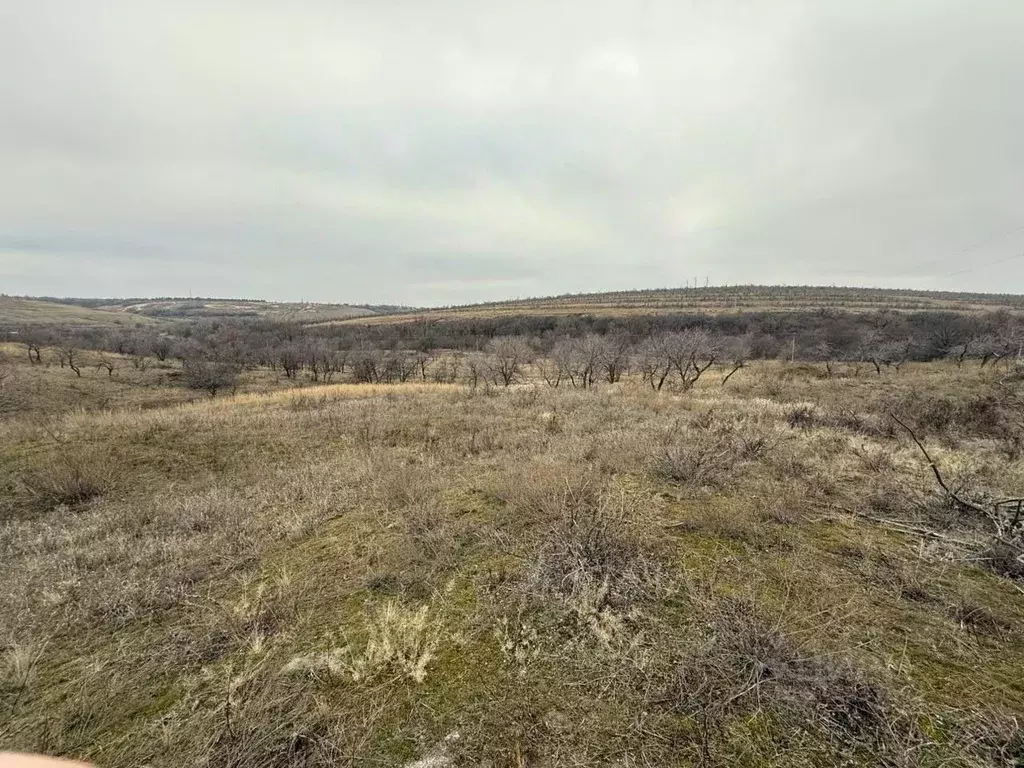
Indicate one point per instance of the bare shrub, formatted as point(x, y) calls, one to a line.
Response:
point(249, 716)
point(211, 376)
point(709, 456)
point(66, 479)
point(744, 664)
point(597, 570)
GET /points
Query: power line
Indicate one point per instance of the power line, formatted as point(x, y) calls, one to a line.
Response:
point(977, 267)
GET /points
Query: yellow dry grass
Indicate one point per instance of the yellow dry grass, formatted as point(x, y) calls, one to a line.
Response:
point(349, 574)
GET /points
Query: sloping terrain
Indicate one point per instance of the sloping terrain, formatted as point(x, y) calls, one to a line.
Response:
point(716, 300)
point(300, 312)
point(763, 573)
point(18, 311)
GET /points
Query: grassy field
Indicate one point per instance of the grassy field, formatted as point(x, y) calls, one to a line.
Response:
point(764, 573)
point(17, 312)
point(717, 300)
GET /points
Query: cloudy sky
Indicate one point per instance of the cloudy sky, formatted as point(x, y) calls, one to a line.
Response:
point(450, 151)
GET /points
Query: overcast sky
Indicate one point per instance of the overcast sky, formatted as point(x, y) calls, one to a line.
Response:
point(434, 151)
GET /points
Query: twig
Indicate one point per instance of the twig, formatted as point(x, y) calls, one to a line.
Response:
point(935, 470)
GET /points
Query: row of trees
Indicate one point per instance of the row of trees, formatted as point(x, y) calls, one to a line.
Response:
point(585, 351)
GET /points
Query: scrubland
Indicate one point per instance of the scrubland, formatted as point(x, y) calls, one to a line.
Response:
point(761, 573)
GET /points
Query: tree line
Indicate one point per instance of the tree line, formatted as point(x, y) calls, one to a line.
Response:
point(578, 351)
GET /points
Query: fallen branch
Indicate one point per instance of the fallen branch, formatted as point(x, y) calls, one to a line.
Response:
point(937, 473)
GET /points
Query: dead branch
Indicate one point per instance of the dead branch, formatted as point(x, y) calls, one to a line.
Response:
point(935, 470)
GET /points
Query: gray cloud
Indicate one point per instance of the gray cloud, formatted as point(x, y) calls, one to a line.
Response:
point(459, 151)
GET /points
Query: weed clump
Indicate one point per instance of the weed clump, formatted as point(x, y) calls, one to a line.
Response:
point(744, 665)
point(400, 641)
point(65, 480)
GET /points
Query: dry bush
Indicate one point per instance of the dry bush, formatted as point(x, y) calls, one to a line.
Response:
point(248, 717)
point(597, 570)
point(543, 490)
point(813, 416)
point(744, 664)
point(711, 454)
point(66, 479)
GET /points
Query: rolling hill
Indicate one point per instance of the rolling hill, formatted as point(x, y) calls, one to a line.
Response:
point(718, 300)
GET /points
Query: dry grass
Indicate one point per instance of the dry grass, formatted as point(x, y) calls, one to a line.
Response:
point(712, 300)
point(348, 574)
point(16, 312)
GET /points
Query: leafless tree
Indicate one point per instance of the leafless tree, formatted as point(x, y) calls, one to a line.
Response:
point(613, 357)
point(690, 353)
point(892, 354)
point(368, 366)
point(478, 369)
point(33, 342)
point(550, 370)
point(993, 347)
point(161, 348)
point(737, 352)
point(212, 376)
point(107, 363)
point(422, 357)
point(291, 357)
point(578, 360)
point(826, 353)
point(654, 361)
point(509, 355)
point(68, 355)
point(445, 370)
point(399, 366)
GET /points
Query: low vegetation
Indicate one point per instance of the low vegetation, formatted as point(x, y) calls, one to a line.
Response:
point(598, 549)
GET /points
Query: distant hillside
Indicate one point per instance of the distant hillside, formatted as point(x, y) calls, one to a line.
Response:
point(16, 311)
point(195, 308)
point(718, 300)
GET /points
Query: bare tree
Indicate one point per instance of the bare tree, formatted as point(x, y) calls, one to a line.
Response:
point(825, 352)
point(422, 357)
point(654, 361)
point(892, 354)
point(477, 368)
point(291, 357)
point(108, 363)
point(445, 370)
point(33, 341)
point(68, 355)
point(551, 370)
point(161, 347)
point(213, 376)
point(399, 366)
point(578, 359)
point(509, 355)
point(737, 352)
point(690, 353)
point(992, 347)
point(368, 366)
point(613, 357)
